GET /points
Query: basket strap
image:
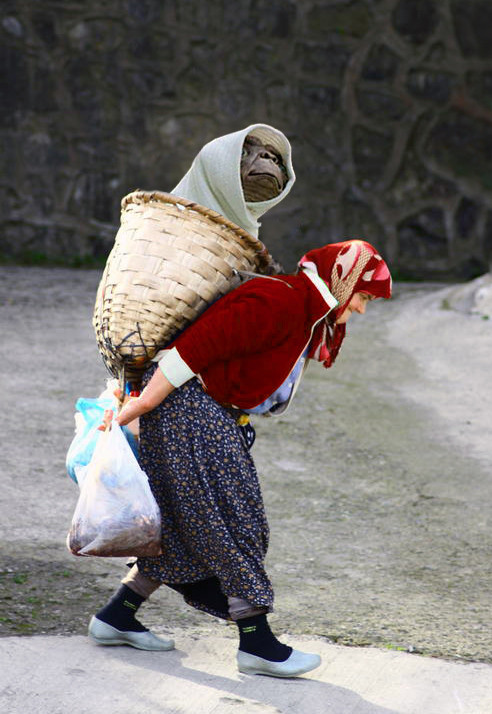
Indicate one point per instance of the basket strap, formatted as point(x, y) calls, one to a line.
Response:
point(246, 275)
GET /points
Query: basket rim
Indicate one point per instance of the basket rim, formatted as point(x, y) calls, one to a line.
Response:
point(140, 196)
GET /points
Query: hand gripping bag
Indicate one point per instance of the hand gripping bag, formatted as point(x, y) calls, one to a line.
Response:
point(88, 418)
point(116, 513)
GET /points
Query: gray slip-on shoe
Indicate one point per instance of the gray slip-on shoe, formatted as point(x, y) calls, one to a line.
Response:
point(297, 663)
point(105, 634)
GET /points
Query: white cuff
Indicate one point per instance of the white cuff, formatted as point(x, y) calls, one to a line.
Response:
point(174, 368)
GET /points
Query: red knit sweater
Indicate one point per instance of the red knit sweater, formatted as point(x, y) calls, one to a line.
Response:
point(245, 345)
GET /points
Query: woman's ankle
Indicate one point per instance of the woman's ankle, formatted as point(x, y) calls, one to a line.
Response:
point(120, 611)
point(256, 638)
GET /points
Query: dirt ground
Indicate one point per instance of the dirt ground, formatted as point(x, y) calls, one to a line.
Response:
point(377, 481)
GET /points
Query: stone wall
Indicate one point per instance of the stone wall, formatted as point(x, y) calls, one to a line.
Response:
point(387, 103)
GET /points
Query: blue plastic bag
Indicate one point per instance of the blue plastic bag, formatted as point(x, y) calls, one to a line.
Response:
point(88, 417)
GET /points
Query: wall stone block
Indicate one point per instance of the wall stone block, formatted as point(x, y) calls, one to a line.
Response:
point(472, 21)
point(430, 85)
point(415, 20)
point(381, 64)
point(370, 153)
point(351, 18)
point(380, 106)
point(462, 145)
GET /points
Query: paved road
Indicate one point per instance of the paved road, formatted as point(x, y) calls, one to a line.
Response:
point(378, 489)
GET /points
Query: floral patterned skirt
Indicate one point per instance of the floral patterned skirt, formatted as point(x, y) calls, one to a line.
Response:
point(205, 482)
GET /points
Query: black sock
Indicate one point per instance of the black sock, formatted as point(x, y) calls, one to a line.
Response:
point(120, 611)
point(256, 638)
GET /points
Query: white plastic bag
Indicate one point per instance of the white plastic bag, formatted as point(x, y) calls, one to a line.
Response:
point(116, 514)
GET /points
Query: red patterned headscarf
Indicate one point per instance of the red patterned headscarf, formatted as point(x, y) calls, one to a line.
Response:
point(347, 268)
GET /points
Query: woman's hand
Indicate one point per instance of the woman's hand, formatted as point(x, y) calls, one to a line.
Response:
point(154, 393)
point(108, 415)
point(107, 419)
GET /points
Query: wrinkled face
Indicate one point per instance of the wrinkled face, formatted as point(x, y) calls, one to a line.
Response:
point(358, 304)
point(263, 174)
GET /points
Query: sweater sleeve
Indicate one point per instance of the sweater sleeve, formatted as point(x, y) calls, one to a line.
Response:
point(251, 319)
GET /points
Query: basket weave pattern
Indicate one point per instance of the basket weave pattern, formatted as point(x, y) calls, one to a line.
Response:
point(171, 259)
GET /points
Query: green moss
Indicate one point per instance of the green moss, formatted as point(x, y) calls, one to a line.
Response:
point(353, 20)
point(395, 648)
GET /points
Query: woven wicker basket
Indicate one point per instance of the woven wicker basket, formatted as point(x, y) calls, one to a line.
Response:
point(171, 259)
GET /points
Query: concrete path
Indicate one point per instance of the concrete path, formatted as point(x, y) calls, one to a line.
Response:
point(71, 675)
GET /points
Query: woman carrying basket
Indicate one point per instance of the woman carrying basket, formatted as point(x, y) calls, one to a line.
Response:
point(246, 354)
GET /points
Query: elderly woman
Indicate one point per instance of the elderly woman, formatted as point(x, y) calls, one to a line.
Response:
point(245, 354)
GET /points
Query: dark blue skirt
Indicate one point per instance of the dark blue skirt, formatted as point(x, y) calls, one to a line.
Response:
point(205, 482)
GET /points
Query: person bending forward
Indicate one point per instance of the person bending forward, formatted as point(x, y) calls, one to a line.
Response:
point(245, 354)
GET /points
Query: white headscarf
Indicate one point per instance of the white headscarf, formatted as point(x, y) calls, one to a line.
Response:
point(214, 179)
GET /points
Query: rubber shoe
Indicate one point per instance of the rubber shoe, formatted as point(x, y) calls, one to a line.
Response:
point(297, 663)
point(105, 634)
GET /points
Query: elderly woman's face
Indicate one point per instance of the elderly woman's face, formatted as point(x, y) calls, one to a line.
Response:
point(358, 303)
point(263, 174)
